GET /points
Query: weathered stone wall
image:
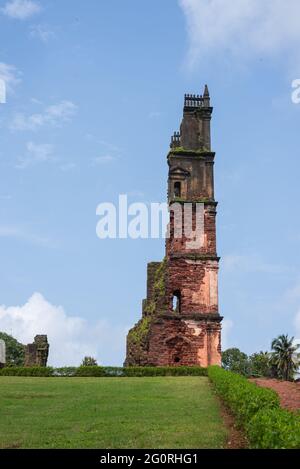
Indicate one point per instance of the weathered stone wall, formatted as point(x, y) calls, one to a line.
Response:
point(152, 269)
point(184, 342)
point(156, 303)
point(190, 332)
point(195, 127)
point(36, 354)
point(197, 282)
point(204, 236)
point(166, 338)
point(194, 171)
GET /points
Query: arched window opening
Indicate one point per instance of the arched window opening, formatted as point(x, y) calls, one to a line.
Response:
point(176, 302)
point(177, 359)
point(177, 189)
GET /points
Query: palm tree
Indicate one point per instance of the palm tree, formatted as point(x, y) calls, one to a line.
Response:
point(285, 356)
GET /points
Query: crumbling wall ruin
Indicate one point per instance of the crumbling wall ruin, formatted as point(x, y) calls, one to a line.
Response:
point(36, 354)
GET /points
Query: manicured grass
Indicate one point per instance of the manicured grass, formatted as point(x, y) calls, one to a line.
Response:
point(156, 412)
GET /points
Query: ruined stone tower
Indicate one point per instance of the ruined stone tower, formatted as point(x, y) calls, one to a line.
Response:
point(181, 324)
point(36, 354)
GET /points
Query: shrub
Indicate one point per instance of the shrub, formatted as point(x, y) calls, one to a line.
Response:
point(95, 371)
point(140, 371)
point(32, 371)
point(243, 398)
point(67, 371)
point(165, 371)
point(104, 371)
point(257, 410)
point(274, 428)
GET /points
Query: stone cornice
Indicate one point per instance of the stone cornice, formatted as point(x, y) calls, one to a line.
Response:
point(193, 154)
point(197, 201)
point(198, 316)
point(194, 256)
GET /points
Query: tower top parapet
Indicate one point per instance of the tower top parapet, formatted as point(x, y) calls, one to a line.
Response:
point(195, 127)
point(194, 101)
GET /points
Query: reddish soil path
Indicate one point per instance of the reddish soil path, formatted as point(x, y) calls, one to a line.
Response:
point(289, 393)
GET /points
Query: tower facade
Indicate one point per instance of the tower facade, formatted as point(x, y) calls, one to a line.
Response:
point(181, 324)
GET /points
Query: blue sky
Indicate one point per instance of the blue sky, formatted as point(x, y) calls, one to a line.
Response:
point(95, 90)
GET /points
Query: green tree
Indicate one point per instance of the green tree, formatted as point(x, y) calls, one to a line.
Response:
point(261, 364)
point(14, 350)
point(235, 360)
point(285, 357)
point(89, 361)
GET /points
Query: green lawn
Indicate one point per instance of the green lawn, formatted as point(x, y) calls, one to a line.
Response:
point(157, 412)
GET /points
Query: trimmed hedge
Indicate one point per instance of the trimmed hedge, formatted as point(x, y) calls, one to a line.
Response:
point(22, 371)
point(275, 429)
point(243, 398)
point(257, 410)
point(104, 371)
point(98, 371)
point(165, 371)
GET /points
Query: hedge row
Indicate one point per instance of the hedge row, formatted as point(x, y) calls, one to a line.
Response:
point(104, 371)
point(257, 410)
point(21, 371)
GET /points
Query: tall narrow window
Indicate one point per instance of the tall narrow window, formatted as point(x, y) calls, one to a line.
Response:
point(176, 302)
point(177, 189)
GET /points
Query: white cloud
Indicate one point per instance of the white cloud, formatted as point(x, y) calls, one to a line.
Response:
point(36, 153)
point(293, 293)
point(10, 75)
point(99, 160)
point(54, 115)
point(21, 9)
point(297, 324)
point(248, 27)
point(41, 32)
point(110, 146)
point(36, 101)
point(250, 263)
point(62, 111)
point(227, 326)
point(70, 337)
point(23, 234)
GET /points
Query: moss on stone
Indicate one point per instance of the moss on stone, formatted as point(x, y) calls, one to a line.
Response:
point(185, 150)
point(137, 336)
point(159, 286)
point(150, 308)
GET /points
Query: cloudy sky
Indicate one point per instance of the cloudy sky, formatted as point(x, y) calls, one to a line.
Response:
point(94, 92)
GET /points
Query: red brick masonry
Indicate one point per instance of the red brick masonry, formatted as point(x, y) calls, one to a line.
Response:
point(180, 323)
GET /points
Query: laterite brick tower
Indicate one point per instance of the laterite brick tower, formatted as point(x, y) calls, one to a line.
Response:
point(181, 324)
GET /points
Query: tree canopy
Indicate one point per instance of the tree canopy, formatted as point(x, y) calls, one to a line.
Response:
point(14, 350)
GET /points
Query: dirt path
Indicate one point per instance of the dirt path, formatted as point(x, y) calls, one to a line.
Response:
point(236, 437)
point(289, 393)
